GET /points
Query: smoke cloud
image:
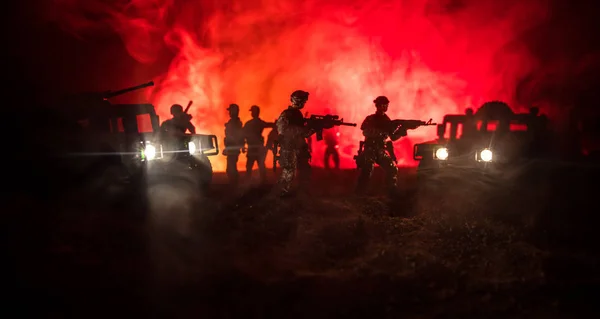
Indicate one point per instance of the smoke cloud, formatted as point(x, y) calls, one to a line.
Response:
point(429, 58)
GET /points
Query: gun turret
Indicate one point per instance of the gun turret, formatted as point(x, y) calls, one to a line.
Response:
point(111, 94)
point(320, 122)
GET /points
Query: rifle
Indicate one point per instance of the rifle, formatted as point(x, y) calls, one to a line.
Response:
point(410, 124)
point(321, 122)
point(187, 108)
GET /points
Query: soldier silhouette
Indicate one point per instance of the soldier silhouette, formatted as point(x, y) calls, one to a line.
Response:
point(257, 152)
point(234, 142)
point(331, 139)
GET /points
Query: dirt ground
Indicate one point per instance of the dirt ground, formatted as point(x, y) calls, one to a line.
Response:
point(479, 248)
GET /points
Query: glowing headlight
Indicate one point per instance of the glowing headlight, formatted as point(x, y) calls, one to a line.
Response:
point(149, 152)
point(486, 155)
point(441, 153)
point(192, 148)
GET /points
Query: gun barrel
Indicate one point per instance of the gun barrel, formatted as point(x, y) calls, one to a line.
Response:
point(348, 124)
point(129, 89)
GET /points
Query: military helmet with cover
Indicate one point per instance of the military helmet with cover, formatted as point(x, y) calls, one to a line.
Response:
point(299, 97)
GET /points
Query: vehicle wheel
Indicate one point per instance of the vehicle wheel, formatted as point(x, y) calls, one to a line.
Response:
point(206, 173)
point(107, 180)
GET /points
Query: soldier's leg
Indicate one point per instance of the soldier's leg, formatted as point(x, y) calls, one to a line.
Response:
point(249, 165)
point(365, 172)
point(288, 164)
point(262, 168)
point(336, 158)
point(326, 157)
point(390, 169)
point(304, 169)
point(232, 171)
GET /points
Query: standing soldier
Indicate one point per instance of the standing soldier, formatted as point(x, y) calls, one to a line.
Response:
point(377, 128)
point(253, 133)
point(294, 152)
point(330, 137)
point(234, 142)
point(272, 141)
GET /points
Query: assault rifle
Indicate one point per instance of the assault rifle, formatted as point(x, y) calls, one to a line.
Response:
point(187, 108)
point(410, 124)
point(320, 122)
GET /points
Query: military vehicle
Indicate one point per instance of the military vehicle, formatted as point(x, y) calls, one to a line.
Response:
point(486, 141)
point(125, 144)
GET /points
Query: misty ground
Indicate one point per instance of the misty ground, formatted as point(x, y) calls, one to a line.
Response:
point(479, 248)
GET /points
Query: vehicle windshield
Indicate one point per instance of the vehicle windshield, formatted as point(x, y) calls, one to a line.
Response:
point(456, 130)
point(141, 124)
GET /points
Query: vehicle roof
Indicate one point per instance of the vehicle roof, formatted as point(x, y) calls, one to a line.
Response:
point(114, 110)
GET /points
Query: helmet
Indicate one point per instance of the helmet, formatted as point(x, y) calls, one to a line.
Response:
point(469, 111)
point(176, 109)
point(254, 108)
point(233, 107)
point(299, 96)
point(381, 100)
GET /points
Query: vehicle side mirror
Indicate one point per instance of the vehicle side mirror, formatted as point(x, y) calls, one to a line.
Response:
point(440, 131)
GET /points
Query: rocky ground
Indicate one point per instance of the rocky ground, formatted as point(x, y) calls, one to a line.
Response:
point(476, 249)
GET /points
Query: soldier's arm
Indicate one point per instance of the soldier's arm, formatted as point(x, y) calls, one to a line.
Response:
point(268, 124)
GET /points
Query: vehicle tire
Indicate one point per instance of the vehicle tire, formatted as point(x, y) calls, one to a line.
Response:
point(107, 180)
point(205, 172)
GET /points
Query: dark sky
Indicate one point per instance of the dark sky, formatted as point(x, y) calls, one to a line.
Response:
point(52, 61)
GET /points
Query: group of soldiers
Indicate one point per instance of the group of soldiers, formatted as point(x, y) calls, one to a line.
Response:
point(292, 135)
point(237, 136)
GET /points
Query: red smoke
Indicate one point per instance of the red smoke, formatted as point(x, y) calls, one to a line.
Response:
point(428, 57)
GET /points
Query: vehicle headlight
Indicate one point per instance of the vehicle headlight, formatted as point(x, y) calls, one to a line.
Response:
point(149, 152)
point(441, 153)
point(192, 148)
point(486, 155)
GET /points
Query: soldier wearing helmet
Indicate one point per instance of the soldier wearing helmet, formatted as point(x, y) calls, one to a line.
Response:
point(377, 128)
point(234, 143)
point(292, 137)
point(253, 134)
point(180, 123)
